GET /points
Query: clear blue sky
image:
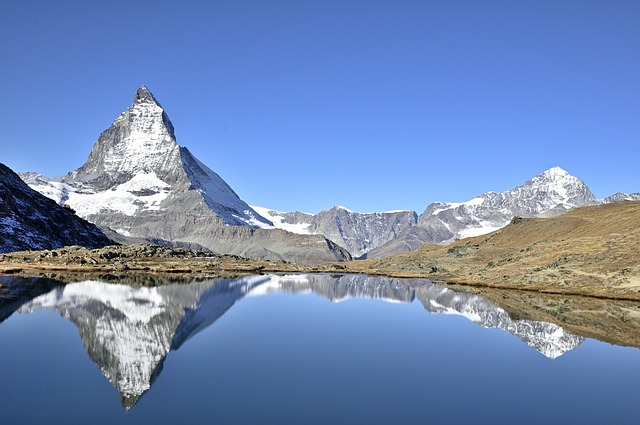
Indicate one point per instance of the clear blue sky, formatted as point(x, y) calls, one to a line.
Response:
point(300, 105)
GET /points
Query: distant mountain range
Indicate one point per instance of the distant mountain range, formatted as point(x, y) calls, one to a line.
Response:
point(376, 235)
point(138, 184)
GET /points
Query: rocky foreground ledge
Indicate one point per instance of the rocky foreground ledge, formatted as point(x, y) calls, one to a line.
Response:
point(141, 258)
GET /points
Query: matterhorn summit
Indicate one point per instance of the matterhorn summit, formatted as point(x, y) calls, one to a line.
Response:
point(138, 182)
point(136, 167)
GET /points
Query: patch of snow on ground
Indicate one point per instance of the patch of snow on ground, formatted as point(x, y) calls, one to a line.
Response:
point(477, 231)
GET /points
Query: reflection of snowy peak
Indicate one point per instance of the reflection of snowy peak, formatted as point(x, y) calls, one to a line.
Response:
point(128, 331)
point(136, 169)
point(547, 338)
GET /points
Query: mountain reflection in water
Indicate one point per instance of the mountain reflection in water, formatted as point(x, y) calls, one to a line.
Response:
point(129, 330)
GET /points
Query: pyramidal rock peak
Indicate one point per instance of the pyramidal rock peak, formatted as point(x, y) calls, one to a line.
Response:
point(137, 167)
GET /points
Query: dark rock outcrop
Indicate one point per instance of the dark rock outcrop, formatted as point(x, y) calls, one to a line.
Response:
point(29, 220)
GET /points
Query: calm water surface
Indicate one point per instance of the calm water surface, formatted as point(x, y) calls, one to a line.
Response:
point(303, 349)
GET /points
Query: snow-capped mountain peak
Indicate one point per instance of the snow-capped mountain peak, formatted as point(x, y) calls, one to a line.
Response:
point(140, 139)
point(137, 168)
point(551, 192)
point(143, 95)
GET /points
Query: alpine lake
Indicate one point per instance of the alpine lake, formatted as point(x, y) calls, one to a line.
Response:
point(311, 349)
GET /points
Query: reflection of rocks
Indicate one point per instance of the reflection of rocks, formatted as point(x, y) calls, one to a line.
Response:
point(340, 287)
point(14, 293)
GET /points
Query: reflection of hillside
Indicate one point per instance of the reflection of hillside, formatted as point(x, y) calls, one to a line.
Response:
point(612, 321)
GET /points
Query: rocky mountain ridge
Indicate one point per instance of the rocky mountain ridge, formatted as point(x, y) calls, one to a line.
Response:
point(357, 232)
point(377, 235)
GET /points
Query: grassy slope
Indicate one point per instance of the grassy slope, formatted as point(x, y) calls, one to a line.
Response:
point(589, 251)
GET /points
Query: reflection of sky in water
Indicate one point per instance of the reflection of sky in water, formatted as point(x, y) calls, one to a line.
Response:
point(280, 357)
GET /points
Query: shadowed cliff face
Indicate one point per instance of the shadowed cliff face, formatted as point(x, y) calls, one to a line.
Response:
point(29, 220)
point(129, 330)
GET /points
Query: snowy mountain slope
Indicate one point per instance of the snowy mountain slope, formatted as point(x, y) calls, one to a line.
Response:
point(358, 232)
point(138, 182)
point(621, 197)
point(29, 220)
point(550, 193)
point(294, 222)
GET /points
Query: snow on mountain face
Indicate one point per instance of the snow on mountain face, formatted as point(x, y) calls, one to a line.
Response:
point(139, 141)
point(621, 197)
point(29, 220)
point(551, 193)
point(294, 222)
point(358, 232)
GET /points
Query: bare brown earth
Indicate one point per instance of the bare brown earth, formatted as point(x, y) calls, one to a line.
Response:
point(592, 251)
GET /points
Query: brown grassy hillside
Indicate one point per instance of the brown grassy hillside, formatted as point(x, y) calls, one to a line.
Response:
point(590, 251)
